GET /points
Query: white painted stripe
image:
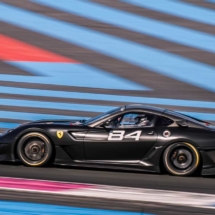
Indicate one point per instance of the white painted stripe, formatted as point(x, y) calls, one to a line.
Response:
point(147, 195)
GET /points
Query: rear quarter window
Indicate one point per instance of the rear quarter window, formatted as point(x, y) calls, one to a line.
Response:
point(163, 121)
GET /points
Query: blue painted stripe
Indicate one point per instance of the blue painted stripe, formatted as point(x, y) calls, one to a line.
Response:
point(37, 116)
point(136, 23)
point(202, 116)
point(54, 105)
point(106, 97)
point(68, 74)
point(178, 8)
point(34, 116)
point(8, 125)
point(22, 208)
point(180, 68)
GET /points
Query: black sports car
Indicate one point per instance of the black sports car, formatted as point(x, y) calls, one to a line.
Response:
point(130, 137)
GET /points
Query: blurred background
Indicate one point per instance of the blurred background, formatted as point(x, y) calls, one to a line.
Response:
point(80, 57)
point(77, 58)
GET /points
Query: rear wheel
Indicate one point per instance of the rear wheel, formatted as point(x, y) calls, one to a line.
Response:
point(181, 159)
point(34, 149)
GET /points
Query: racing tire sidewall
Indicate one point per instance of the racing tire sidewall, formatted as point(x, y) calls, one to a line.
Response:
point(23, 157)
point(188, 171)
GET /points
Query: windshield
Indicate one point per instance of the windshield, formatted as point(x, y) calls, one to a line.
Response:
point(104, 115)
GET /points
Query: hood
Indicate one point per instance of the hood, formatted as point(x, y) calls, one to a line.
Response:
point(77, 122)
point(55, 121)
point(58, 121)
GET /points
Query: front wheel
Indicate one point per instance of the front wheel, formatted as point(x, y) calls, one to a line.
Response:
point(34, 149)
point(181, 159)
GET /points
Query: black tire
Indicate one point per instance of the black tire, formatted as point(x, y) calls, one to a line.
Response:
point(181, 159)
point(34, 149)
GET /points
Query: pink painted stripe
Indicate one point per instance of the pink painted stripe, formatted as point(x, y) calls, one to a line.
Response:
point(39, 185)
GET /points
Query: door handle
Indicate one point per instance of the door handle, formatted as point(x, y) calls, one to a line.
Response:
point(151, 133)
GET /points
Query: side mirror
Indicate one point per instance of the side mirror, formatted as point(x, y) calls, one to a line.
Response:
point(182, 123)
point(107, 123)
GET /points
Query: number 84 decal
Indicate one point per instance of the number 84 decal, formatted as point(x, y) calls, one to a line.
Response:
point(119, 135)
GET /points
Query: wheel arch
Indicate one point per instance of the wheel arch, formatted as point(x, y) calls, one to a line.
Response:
point(162, 168)
point(26, 131)
point(194, 147)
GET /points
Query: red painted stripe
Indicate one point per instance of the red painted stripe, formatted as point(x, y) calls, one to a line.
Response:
point(15, 50)
point(39, 185)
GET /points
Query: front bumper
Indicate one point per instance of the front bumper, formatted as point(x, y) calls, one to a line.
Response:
point(5, 152)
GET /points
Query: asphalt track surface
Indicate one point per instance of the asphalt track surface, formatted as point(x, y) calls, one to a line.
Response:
point(196, 184)
point(108, 177)
point(95, 203)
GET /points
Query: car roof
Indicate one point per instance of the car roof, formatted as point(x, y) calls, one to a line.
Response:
point(144, 107)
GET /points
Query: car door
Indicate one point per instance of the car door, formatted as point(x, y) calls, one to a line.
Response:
point(125, 142)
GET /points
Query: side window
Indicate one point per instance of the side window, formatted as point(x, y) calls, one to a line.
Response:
point(132, 120)
point(128, 119)
point(163, 121)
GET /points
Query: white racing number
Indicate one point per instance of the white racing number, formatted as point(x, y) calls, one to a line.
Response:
point(135, 135)
point(116, 135)
point(119, 135)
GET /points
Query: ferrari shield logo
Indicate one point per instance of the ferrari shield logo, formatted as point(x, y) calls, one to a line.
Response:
point(59, 134)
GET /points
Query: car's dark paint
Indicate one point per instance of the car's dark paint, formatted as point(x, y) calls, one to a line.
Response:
point(88, 145)
point(98, 147)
